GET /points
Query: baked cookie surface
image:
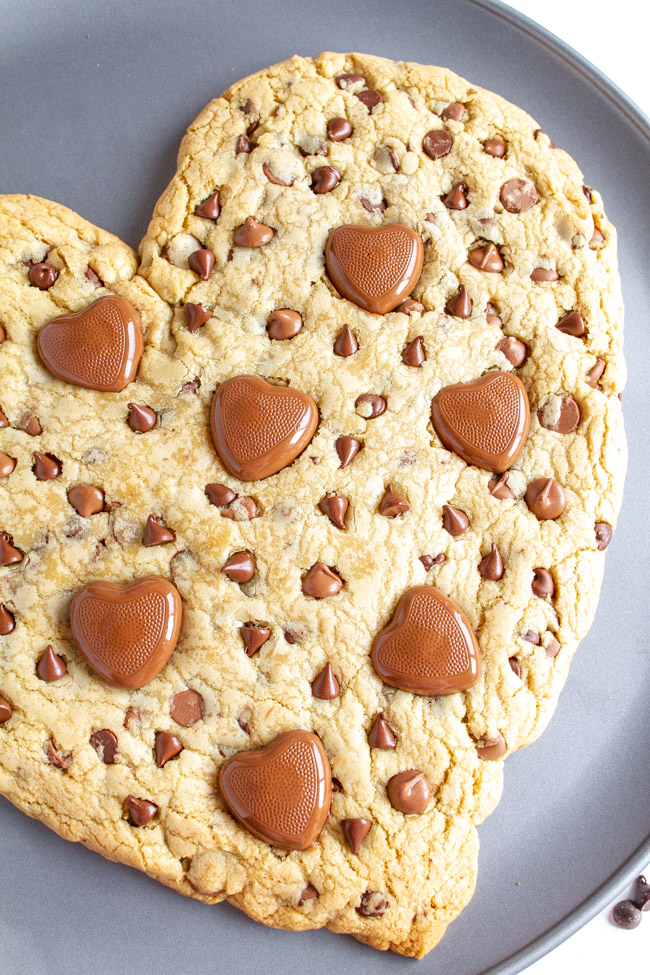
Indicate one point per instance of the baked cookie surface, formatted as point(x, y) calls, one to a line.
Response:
point(513, 245)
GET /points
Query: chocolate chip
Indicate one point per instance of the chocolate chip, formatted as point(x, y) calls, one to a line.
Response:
point(410, 307)
point(321, 581)
point(373, 207)
point(369, 405)
point(94, 278)
point(518, 195)
point(6, 710)
point(626, 915)
point(381, 735)
point(295, 634)
point(131, 718)
point(7, 464)
point(543, 584)
point(531, 637)
point(514, 350)
point(9, 554)
point(373, 904)
point(105, 744)
point(545, 498)
point(243, 144)
point(346, 344)
point(50, 667)
point(460, 304)
point(455, 111)
point(219, 495)
point(491, 749)
point(604, 534)
point(495, 147)
point(492, 316)
point(347, 448)
point(210, 208)
point(572, 324)
point(339, 129)
point(642, 894)
point(141, 419)
point(544, 274)
point(414, 354)
point(454, 520)
point(196, 315)
point(242, 509)
point(595, 373)
point(7, 621)
point(140, 811)
point(254, 637)
point(42, 275)
point(514, 666)
point(186, 707)
point(252, 234)
point(326, 685)
point(240, 567)
point(393, 503)
point(491, 567)
point(552, 647)
point(349, 80)
point(244, 721)
point(308, 894)
point(335, 508)
point(486, 258)
point(355, 831)
point(156, 533)
point(30, 424)
point(562, 414)
point(266, 169)
point(324, 179)
point(46, 466)
point(202, 262)
point(428, 561)
point(409, 792)
point(369, 98)
point(57, 758)
point(541, 134)
point(456, 198)
point(284, 323)
point(86, 500)
point(437, 143)
point(597, 239)
point(166, 747)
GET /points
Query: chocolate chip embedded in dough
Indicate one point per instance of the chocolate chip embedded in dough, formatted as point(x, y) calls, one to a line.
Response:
point(414, 354)
point(393, 503)
point(491, 567)
point(29, 423)
point(9, 554)
point(409, 792)
point(202, 262)
point(518, 195)
point(324, 179)
point(240, 567)
point(346, 344)
point(335, 508)
point(454, 520)
point(514, 350)
point(490, 749)
point(349, 80)
point(252, 234)
point(339, 129)
point(186, 707)
point(514, 666)
point(210, 208)
point(156, 533)
point(219, 494)
point(552, 646)
point(381, 735)
point(543, 584)
point(355, 831)
point(196, 315)
point(437, 143)
point(544, 274)
point(254, 637)
point(42, 276)
point(308, 894)
point(104, 742)
point(141, 419)
point(455, 111)
point(594, 375)
point(7, 464)
point(6, 710)
point(456, 199)
point(243, 145)
point(545, 498)
point(7, 621)
point(560, 414)
point(284, 323)
point(369, 98)
point(326, 685)
point(321, 581)
point(604, 534)
point(272, 178)
point(572, 324)
point(460, 304)
point(495, 147)
point(46, 466)
point(86, 500)
point(140, 811)
point(347, 448)
point(166, 747)
point(56, 757)
point(410, 307)
point(486, 258)
point(370, 405)
point(51, 666)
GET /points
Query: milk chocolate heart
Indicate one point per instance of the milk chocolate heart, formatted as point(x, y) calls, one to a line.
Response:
point(258, 429)
point(127, 631)
point(281, 793)
point(375, 267)
point(429, 646)
point(99, 347)
point(485, 422)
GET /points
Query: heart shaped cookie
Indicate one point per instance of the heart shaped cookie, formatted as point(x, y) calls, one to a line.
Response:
point(127, 631)
point(428, 647)
point(257, 428)
point(281, 793)
point(375, 267)
point(485, 422)
point(99, 347)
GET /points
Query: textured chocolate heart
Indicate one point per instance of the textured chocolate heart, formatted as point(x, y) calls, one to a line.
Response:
point(429, 646)
point(258, 429)
point(375, 267)
point(486, 421)
point(281, 793)
point(99, 347)
point(127, 631)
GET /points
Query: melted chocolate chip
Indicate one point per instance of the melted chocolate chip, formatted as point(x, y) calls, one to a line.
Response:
point(410, 307)
point(393, 503)
point(266, 169)
point(284, 324)
point(186, 707)
point(105, 744)
point(545, 498)
point(252, 234)
point(437, 143)
point(56, 757)
point(543, 584)
point(86, 500)
point(243, 145)
point(409, 792)
point(373, 904)
point(369, 98)
point(325, 179)
point(339, 129)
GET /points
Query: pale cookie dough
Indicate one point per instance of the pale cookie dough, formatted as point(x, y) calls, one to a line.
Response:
point(412, 874)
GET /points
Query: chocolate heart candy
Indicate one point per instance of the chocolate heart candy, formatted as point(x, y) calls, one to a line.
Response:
point(429, 646)
point(281, 793)
point(127, 631)
point(99, 347)
point(258, 429)
point(485, 422)
point(375, 267)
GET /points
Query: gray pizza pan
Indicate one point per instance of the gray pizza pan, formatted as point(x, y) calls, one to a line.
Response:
point(94, 99)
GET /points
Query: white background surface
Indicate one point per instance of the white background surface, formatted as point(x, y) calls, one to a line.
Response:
point(611, 36)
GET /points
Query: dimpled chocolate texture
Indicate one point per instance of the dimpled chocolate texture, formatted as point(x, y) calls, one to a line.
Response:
point(375, 267)
point(429, 646)
point(127, 632)
point(99, 347)
point(412, 874)
point(485, 422)
point(282, 793)
point(258, 429)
